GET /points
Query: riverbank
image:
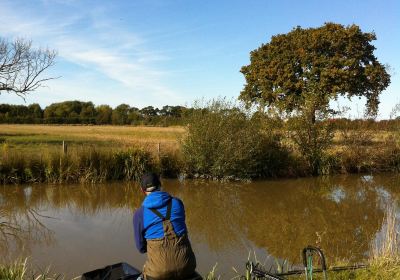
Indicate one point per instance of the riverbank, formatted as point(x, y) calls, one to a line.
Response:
point(95, 165)
point(383, 269)
point(35, 153)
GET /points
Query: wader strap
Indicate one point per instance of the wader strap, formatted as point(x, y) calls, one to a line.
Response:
point(168, 216)
point(169, 206)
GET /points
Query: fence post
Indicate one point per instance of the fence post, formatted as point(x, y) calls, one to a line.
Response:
point(64, 147)
point(158, 149)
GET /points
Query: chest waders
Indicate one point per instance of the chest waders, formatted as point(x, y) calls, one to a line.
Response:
point(170, 257)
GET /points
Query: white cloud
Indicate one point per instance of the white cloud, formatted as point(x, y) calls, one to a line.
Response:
point(98, 45)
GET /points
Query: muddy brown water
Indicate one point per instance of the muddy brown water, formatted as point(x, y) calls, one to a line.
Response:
point(77, 228)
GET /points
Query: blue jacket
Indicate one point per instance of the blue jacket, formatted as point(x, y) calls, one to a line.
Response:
point(147, 225)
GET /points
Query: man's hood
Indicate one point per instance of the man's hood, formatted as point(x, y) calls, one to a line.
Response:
point(156, 199)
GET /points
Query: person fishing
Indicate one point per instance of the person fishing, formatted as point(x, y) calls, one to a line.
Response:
point(160, 230)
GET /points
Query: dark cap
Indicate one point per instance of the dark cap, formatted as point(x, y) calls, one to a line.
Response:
point(150, 182)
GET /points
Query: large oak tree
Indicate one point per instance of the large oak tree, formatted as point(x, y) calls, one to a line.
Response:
point(310, 67)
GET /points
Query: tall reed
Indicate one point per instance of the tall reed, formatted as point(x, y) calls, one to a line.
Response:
point(80, 165)
point(387, 244)
point(14, 271)
point(21, 270)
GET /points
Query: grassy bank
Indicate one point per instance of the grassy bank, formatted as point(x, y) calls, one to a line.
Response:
point(85, 165)
point(34, 153)
point(216, 144)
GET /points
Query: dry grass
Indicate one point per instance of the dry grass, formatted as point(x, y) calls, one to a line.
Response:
point(45, 137)
point(353, 150)
point(126, 134)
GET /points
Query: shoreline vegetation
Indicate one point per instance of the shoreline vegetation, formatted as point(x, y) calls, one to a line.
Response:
point(222, 140)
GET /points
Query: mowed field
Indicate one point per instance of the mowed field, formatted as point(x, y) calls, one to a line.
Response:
point(33, 137)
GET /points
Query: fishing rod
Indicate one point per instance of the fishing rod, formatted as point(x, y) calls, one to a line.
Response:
point(318, 270)
point(261, 273)
point(308, 270)
point(252, 269)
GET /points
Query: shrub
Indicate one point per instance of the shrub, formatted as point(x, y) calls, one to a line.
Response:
point(222, 140)
point(170, 164)
point(312, 134)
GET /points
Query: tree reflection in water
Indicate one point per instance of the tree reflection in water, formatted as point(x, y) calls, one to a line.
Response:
point(342, 215)
point(339, 214)
point(20, 223)
point(23, 224)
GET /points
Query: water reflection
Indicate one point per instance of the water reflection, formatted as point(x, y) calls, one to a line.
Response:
point(342, 215)
point(20, 221)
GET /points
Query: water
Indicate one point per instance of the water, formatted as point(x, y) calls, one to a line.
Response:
point(76, 228)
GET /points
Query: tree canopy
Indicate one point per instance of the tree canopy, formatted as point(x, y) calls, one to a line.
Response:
point(317, 64)
point(79, 112)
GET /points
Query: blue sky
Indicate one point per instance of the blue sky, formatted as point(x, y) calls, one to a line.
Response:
point(159, 52)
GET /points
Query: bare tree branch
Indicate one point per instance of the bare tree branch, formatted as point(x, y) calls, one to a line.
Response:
point(22, 66)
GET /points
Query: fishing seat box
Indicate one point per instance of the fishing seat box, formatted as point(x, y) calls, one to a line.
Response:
point(120, 271)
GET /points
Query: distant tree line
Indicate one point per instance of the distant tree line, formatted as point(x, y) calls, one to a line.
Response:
point(78, 112)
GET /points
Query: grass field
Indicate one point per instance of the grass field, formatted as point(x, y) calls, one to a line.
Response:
point(34, 138)
point(35, 153)
point(38, 137)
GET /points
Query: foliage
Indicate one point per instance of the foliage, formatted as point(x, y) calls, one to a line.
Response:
point(357, 155)
point(78, 112)
point(319, 63)
point(103, 114)
point(170, 163)
point(21, 113)
point(300, 72)
point(223, 141)
point(70, 112)
point(313, 139)
point(120, 114)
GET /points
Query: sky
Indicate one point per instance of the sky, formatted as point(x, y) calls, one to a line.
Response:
point(161, 52)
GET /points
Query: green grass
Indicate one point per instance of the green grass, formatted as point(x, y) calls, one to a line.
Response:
point(14, 271)
point(378, 269)
point(21, 270)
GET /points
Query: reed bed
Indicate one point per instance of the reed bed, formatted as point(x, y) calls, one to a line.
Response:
point(85, 165)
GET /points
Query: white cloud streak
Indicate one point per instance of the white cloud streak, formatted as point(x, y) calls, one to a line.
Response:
point(90, 40)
